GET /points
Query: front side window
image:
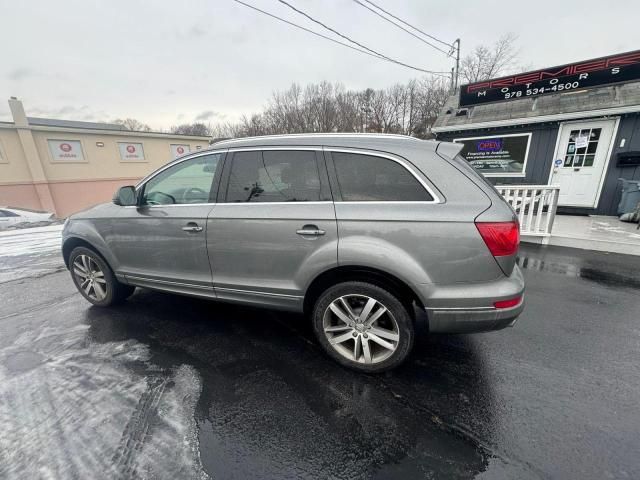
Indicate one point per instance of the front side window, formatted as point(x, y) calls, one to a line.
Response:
point(274, 176)
point(184, 183)
point(367, 178)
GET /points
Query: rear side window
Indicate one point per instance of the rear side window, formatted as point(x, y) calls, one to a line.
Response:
point(367, 178)
point(274, 176)
point(7, 213)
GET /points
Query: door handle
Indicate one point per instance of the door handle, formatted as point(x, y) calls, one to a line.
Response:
point(310, 230)
point(192, 227)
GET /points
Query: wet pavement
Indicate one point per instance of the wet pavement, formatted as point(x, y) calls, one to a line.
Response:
point(172, 387)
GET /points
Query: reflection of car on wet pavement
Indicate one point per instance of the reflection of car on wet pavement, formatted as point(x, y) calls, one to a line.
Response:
point(346, 229)
point(16, 217)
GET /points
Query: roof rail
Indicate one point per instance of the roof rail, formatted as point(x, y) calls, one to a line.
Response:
point(319, 135)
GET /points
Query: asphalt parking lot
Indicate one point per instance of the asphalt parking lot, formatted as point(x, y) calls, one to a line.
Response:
point(172, 387)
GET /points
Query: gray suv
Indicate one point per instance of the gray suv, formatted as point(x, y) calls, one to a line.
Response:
point(354, 231)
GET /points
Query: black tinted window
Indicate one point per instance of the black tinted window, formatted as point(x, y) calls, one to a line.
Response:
point(365, 178)
point(274, 176)
point(7, 213)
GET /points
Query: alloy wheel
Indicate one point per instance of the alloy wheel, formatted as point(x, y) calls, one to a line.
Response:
point(361, 329)
point(90, 277)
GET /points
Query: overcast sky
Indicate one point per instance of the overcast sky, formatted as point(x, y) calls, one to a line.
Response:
point(168, 62)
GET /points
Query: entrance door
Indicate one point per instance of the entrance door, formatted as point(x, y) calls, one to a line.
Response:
point(580, 161)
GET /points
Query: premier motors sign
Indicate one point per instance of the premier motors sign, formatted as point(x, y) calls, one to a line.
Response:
point(624, 67)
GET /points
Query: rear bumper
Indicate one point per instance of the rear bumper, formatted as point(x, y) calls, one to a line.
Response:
point(469, 309)
point(472, 320)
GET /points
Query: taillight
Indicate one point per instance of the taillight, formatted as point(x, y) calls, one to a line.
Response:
point(502, 238)
point(512, 302)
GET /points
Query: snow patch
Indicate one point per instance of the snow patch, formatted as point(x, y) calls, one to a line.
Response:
point(23, 242)
point(74, 408)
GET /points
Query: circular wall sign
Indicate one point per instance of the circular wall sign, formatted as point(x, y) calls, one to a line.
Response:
point(180, 150)
point(131, 148)
point(65, 147)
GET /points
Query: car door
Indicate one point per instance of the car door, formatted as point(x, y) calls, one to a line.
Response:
point(161, 243)
point(274, 226)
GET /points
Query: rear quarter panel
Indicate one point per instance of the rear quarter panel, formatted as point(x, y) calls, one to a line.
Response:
point(417, 243)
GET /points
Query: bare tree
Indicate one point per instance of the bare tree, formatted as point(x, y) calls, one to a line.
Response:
point(489, 62)
point(347, 111)
point(226, 130)
point(199, 129)
point(133, 124)
point(408, 109)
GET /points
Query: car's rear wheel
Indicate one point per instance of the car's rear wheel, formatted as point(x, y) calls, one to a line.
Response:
point(363, 326)
point(95, 280)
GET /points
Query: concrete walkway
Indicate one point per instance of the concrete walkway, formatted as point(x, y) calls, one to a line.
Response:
point(600, 233)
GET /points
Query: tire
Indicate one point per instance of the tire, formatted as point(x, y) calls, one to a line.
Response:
point(346, 329)
point(100, 286)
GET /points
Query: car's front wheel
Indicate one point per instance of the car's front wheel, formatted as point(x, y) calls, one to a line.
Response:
point(363, 326)
point(95, 280)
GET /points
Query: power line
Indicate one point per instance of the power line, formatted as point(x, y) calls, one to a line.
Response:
point(308, 30)
point(455, 46)
point(441, 74)
point(448, 53)
point(374, 52)
point(408, 24)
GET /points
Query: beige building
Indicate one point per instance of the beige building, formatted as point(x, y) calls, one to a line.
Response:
point(63, 166)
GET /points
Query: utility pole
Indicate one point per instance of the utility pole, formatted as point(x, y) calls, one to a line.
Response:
point(457, 44)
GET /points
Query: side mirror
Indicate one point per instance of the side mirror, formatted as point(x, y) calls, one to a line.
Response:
point(125, 196)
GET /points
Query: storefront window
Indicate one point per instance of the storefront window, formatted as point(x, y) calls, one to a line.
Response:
point(499, 156)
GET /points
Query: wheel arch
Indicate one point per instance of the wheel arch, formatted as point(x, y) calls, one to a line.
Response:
point(72, 242)
point(375, 276)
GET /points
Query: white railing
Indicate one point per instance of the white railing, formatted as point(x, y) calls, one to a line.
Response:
point(535, 206)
